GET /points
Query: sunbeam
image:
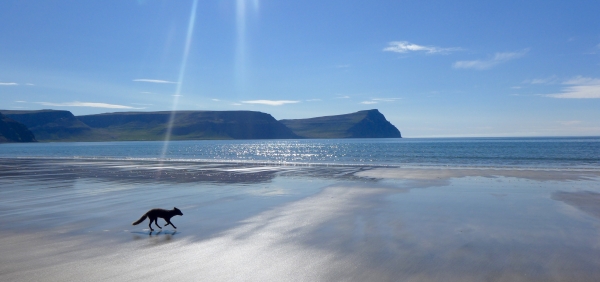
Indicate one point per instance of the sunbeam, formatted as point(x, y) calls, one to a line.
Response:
point(240, 51)
point(186, 51)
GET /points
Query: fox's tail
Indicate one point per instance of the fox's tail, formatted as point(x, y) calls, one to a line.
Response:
point(140, 220)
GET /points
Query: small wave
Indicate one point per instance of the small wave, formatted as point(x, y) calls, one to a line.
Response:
point(172, 161)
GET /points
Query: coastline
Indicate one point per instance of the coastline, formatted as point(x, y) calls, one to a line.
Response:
point(68, 219)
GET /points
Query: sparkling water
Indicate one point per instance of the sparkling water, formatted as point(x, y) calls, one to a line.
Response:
point(549, 152)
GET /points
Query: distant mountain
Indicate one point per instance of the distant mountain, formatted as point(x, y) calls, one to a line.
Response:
point(13, 131)
point(50, 125)
point(362, 124)
point(187, 125)
point(53, 125)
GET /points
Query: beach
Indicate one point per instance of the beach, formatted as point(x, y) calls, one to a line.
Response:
point(70, 220)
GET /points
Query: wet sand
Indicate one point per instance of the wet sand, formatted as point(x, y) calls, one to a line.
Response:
point(70, 220)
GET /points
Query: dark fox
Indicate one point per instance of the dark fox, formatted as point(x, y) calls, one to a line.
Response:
point(154, 214)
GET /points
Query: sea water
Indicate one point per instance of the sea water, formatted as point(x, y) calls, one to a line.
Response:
point(547, 152)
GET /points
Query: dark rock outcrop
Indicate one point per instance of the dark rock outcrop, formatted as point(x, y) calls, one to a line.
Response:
point(362, 124)
point(13, 131)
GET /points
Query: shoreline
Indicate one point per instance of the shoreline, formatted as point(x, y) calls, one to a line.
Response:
point(579, 168)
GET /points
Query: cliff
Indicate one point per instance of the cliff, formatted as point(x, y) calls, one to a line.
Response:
point(362, 124)
point(13, 131)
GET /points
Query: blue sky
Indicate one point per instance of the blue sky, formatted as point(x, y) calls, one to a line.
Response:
point(433, 68)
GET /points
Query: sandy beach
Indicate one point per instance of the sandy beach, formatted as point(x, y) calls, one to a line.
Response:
point(70, 220)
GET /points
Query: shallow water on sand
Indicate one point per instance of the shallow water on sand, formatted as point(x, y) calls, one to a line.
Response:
point(68, 219)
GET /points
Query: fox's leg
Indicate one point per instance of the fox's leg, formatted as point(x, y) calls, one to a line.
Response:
point(150, 225)
point(170, 223)
point(156, 222)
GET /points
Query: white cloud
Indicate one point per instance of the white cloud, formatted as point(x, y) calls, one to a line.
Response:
point(583, 80)
point(377, 100)
point(498, 58)
point(570, 122)
point(8, 83)
point(152, 80)
point(313, 100)
point(146, 92)
point(343, 97)
point(548, 80)
point(216, 100)
point(86, 104)
point(579, 88)
point(271, 102)
point(386, 99)
point(20, 101)
point(405, 47)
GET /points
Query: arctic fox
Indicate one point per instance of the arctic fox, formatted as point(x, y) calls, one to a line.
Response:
point(154, 214)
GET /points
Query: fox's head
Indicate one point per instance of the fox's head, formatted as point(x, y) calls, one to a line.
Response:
point(177, 211)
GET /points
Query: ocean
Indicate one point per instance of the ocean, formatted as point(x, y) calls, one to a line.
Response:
point(546, 152)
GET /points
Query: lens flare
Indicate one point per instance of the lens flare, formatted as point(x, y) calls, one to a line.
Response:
point(186, 51)
point(240, 50)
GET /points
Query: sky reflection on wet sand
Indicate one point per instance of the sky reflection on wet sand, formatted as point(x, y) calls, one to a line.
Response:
point(65, 220)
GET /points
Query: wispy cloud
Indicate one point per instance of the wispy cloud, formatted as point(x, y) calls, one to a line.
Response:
point(8, 83)
point(152, 80)
point(386, 99)
point(548, 80)
point(405, 47)
point(579, 88)
point(86, 104)
point(313, 100)
point(342, 97)
point(570, 122)
point(271, 102)
point(377, 100)
point(20, 101)
point(498, 58)
point(216, 100)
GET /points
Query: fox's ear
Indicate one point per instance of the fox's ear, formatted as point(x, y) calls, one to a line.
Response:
point(174, 208)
